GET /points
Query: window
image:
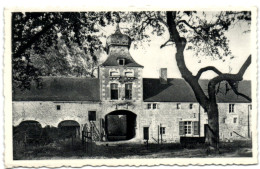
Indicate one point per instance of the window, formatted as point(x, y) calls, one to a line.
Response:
point(114, 91)
point(121, 62)
point(224, 120)
point(154, 105)
point(113, 73)
point(129, 74)
point(250, 107)
point(58, 107)
point(234, 120)
point(128, 91)
point(191, 106)
point(194, 115)
point(178, 106)
point(162, 130)
point(149, 106)
point(231, 108)
point(189, 127)
point(92, 115)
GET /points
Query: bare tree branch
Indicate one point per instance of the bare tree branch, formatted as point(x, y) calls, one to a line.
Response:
point(234, 88)
point(229, 78)
point(166, 43)
point(202, 70)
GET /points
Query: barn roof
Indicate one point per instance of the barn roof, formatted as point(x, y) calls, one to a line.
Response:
point(88, 89)
point(61, 89)
point(177, 90)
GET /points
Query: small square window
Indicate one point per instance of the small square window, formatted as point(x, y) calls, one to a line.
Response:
point(92, 115)
point(121, 62)
point(154, 105)
point(224, 120)
point(162, 130)
point(149, 106)
point(58, 107)
point(235, 120)
point(178, 106)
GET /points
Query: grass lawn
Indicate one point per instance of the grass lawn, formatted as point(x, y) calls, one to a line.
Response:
point(66, 150)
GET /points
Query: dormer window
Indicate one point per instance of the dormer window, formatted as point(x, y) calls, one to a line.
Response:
point(121, 62)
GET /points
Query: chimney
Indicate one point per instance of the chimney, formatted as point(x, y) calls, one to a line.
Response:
point(163, 75)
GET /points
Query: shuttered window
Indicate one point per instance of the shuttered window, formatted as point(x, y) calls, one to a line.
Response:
point(181, 128)
point(188, 127)
point(196, 128)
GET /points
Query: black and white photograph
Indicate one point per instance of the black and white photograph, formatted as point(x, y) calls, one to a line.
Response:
point(145, 84)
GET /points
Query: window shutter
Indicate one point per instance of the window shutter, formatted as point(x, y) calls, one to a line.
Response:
point(195, 128)
point(181, 128)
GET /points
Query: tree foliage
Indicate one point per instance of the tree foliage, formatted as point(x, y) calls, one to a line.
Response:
point(37, 35)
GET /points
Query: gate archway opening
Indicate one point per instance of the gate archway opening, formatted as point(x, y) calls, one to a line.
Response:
point(120, 125)
point(28, 131)
point(68, 129)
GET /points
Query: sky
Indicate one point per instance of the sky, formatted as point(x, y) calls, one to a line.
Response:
point(153, 58)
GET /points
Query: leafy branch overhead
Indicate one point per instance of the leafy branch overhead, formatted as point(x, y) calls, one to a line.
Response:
point(39, 34)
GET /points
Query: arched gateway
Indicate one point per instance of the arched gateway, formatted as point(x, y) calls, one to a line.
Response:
point(120, 125)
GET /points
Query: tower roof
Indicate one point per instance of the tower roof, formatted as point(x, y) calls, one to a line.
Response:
point(118, 38)
point(118, 45)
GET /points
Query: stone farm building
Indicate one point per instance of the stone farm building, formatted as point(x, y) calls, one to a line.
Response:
point(122, 105)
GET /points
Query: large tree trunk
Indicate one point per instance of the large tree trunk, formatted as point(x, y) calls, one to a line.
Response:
point(212, 129)
point(209, 101)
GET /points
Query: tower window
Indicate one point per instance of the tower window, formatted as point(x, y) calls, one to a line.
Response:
point(128, 91)
point(121, 62)
point(114, 91)
point(113, 73)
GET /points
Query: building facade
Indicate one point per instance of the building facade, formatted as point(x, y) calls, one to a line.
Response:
point(122, 105)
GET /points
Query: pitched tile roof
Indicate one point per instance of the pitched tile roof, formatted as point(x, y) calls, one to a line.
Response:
point(177, 90)
point(88, 89)
point(61, 89)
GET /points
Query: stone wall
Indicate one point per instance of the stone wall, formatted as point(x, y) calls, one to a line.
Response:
point(46, 113)
point(166, 114)
point(233, 130)
point(105, 81)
